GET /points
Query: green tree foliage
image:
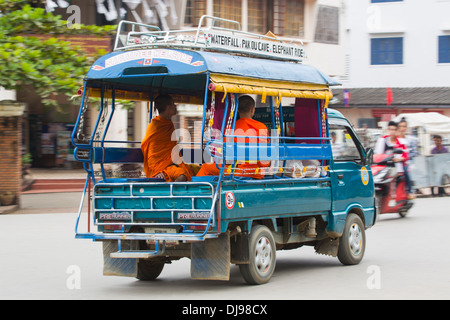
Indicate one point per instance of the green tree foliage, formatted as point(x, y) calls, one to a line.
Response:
point(52, 66)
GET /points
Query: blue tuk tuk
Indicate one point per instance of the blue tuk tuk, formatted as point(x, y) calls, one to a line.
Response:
point(317, 191)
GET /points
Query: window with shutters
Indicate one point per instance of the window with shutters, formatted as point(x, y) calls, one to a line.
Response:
point(444, 49)
point(294, 18)
point(257, 16)
point(327, 28)
point(194, 10)
point(387, 51)
point(228, 9)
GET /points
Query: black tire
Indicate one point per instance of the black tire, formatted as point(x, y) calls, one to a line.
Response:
point(262, 251)
point(353, 241)
point(403, 213)
point(149, 270)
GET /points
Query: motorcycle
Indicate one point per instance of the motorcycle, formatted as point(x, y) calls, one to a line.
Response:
point(390, 187)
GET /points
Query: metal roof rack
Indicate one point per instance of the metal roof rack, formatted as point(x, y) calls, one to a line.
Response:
point(212, 38)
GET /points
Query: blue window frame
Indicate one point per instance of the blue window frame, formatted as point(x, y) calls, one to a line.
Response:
point(444, 49)
point(386, 51)
point(376, 1)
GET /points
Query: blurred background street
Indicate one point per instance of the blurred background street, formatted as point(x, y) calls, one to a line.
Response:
point(392, 72)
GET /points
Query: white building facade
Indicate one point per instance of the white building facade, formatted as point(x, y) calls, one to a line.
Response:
point(401, 46)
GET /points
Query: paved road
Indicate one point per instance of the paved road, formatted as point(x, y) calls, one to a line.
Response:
point(405, 259)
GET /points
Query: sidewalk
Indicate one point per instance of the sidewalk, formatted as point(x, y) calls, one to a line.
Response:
point(53, 199)
point(54, 180)
point(38, 173)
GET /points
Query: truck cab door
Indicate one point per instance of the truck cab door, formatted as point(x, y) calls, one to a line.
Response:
point(352, 182)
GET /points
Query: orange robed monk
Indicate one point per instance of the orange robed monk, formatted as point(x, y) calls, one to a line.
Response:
point(161, 154)
point(245, 126)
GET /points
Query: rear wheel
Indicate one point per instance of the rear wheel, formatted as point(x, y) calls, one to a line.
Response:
point(353, 241)
point(262, 262)
point(149, 270)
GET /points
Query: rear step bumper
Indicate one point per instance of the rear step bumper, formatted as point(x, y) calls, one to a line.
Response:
point(133, 254)
point(160, 242)
point(147, 236)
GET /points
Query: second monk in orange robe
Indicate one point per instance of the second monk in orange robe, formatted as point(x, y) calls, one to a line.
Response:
point(161, 154)
point(245, 126)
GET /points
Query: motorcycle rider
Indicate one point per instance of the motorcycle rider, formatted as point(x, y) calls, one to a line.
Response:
point(389, 142)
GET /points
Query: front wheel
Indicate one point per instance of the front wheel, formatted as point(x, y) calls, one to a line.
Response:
point(353, 241)
point(262, 251)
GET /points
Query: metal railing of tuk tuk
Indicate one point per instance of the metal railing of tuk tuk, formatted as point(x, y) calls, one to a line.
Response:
point(279, 150)
point(198, 38)
point(277, 147)
point(96, 152)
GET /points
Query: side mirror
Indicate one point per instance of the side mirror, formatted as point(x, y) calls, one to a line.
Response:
point(369, 157)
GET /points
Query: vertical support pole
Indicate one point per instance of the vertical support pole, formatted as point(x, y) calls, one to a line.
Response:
point(102, 143)
point(225, 112)
point(150, 108)
point(280, 109)
point(236, 108)
point(272, 112)
point(205, 105)
point(89, 206)
point(79, 115)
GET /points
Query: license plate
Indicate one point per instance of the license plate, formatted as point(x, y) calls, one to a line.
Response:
point(168, 242)
point(193, 215)
point(160, 230)
point(115, 216)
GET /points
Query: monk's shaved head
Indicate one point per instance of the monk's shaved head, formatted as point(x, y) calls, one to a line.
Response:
point(162, 102)
point(246, 103)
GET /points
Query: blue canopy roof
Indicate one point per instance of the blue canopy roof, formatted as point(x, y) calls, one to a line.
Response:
point(158, 68)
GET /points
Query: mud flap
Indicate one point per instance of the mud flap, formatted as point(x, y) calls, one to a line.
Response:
point(126, 267)
point(210, 259)
point(240, 253)
point(327, 247)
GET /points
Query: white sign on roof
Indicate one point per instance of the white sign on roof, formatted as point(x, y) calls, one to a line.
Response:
point(231, 42)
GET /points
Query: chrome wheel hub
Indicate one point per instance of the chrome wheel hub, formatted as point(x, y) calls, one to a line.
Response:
point(355, 239)
point(263, 256)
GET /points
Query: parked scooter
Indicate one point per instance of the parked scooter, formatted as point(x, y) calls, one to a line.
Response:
point(390, 187)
